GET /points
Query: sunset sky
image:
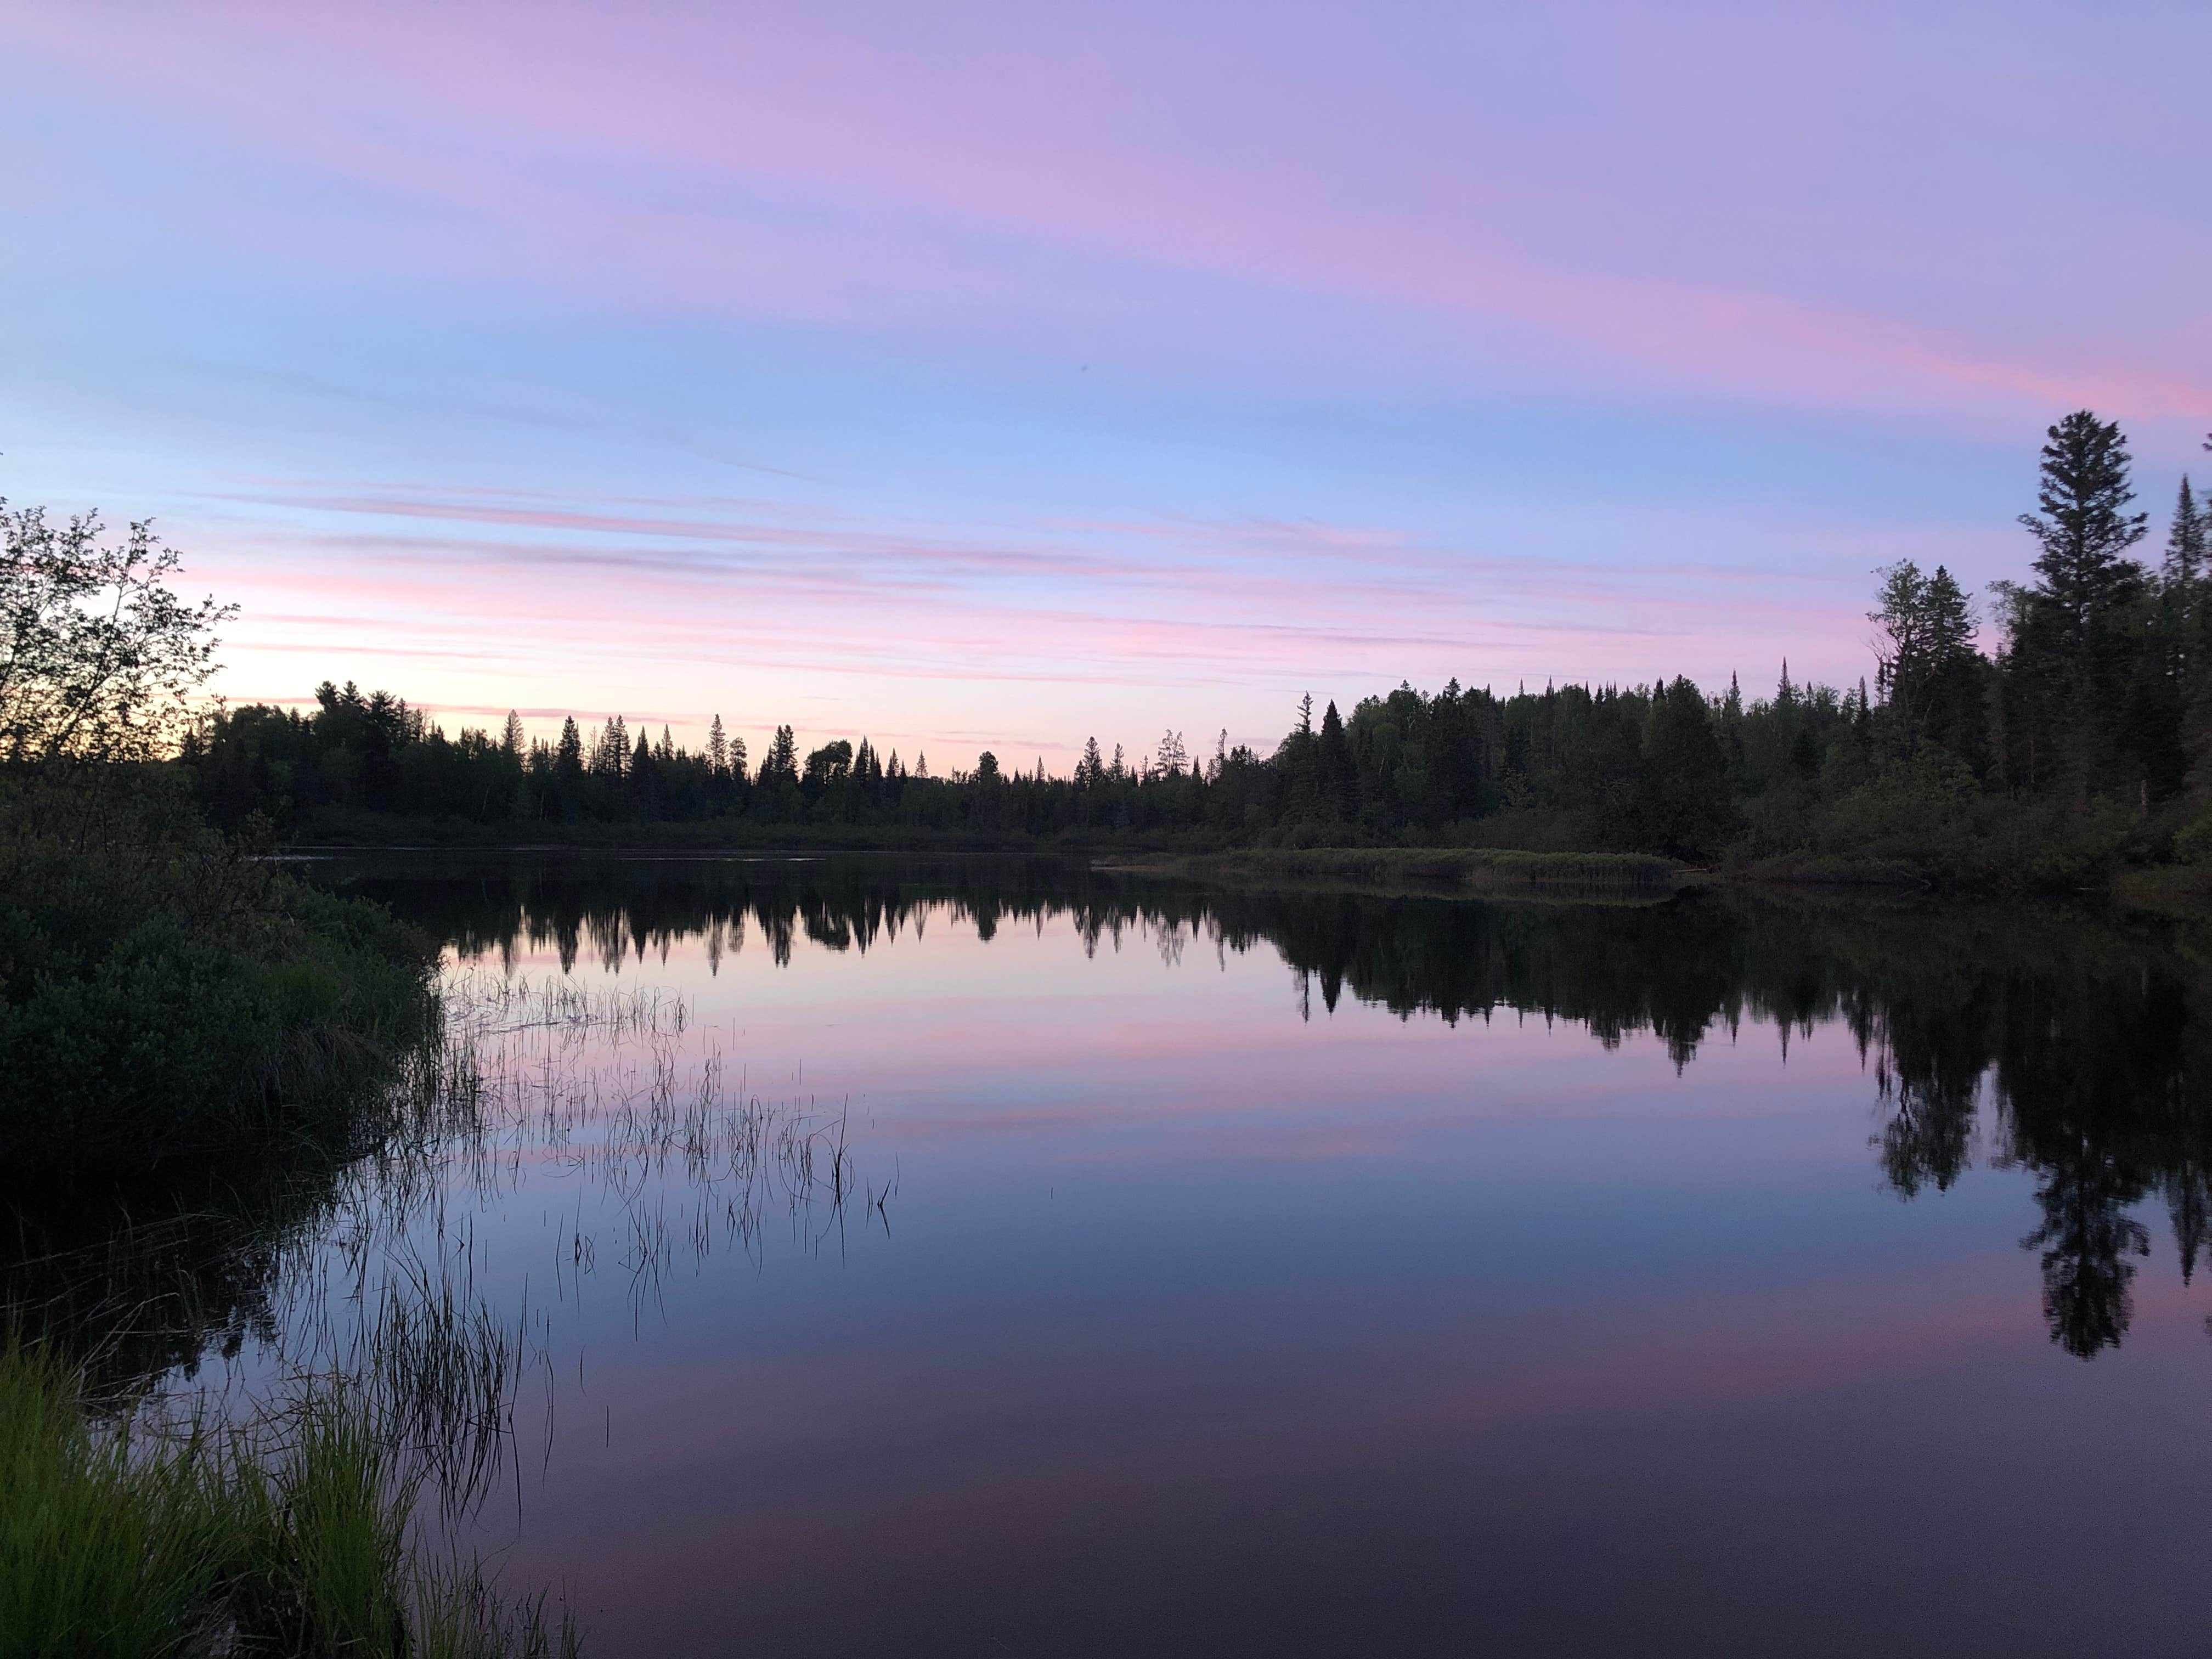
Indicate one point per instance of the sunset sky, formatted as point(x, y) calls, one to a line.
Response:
point(989, 376)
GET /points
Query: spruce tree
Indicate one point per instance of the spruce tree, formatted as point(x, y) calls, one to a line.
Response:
point(2185, 542)
point(2084, 527)
point(2073, 664)
point(1337, 778)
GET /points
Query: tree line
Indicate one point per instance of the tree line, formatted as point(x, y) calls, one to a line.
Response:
point(2091, 718)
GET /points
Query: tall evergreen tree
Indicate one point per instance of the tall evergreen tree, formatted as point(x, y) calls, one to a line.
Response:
point(1335, 770)
point(2085, 528)
point(2072, 682)
point(1926, 666)
point(2185, 543)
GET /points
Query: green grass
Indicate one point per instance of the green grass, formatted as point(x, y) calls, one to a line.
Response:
point(290, 1535)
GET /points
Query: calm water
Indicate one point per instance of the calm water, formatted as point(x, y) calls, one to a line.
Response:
point(973, 1260)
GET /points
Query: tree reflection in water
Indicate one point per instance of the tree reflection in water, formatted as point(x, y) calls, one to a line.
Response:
point(2069, 1042)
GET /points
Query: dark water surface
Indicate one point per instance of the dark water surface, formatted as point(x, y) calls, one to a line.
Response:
point(968, 1258)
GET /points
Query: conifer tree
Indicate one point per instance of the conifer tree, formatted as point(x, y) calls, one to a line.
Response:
point(2084, 527)
point(2185, 543)
point(2072, 682)
point(1333, 769)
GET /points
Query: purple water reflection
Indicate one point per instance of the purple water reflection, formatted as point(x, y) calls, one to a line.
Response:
point(1199, 1317)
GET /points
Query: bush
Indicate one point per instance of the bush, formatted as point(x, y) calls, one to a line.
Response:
point(2192, 843)
point(163, 992)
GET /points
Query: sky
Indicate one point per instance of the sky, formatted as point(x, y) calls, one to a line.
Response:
point(977, 375)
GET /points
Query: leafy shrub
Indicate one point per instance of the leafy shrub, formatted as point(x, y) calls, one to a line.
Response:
point(162, 991)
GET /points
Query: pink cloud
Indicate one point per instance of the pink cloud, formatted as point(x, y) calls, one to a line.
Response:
point(810, 169)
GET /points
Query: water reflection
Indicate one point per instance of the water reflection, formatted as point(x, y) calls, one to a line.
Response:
point(914, 1256)
point(2061, 1041)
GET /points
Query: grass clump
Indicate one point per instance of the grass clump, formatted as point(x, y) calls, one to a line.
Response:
point(290, 1535)
point(106, 1548)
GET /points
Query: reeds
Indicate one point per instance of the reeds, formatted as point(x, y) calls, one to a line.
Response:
point(290, 1533)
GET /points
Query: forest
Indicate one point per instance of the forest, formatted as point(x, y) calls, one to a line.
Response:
point(2084, 737)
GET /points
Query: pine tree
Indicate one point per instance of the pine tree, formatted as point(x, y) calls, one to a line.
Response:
point(2185, 543)
point(1334, 772)
point(1926, 667)
point(780, 764)
point(2074, 689)
point(511, 742)
point(718, 749)
point(1731, 733)
point(2085, 525)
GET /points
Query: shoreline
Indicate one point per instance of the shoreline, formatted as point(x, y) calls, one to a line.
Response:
point(1431, 870)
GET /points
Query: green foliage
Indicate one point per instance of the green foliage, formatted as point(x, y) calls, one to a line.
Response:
point(163, 992)
point(1686, 809)
point(2192, 844)
point(98, 657)
point(2084, 527)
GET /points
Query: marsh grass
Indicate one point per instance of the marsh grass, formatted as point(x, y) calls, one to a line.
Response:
point(294, 1533)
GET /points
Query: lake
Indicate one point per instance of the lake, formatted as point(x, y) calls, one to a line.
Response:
point(967, 1257)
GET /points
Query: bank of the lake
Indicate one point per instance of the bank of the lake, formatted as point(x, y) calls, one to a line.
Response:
point(1986, 865)
point(167, 995)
